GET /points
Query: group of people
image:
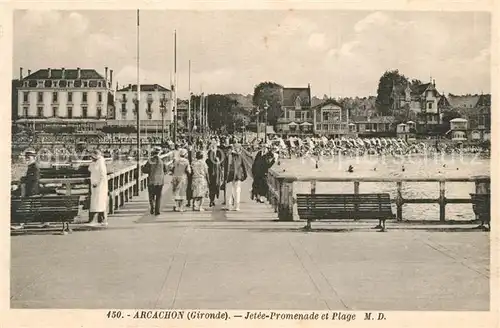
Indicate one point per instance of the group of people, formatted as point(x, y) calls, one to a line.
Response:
point(199, 172)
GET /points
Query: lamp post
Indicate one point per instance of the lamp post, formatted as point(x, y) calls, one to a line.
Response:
point(258, 113)
point(266, 106)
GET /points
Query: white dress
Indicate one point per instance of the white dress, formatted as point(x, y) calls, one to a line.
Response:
point(99, 194)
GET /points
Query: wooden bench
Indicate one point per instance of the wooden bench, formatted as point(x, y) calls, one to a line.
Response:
point(45, 209)
point(481, 207)
point(344, 207)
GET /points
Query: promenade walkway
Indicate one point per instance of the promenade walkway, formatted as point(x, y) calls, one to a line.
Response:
point(237, 260)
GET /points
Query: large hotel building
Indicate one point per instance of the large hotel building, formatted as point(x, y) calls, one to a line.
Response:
point(65, 96)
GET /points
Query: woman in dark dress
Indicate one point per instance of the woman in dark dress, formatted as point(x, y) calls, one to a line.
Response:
point(215, 158)
point(261, 165)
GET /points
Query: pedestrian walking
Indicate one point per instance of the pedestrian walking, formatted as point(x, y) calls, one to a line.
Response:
point(156, 169)
point(200, 181)
point(263, 161)
point(189, 187)
point(99, 188)
point(235, 173)
point(215, 159)
point(32, 178)
point(180, 171)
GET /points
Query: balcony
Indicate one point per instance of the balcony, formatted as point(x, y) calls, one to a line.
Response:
point(283, 120)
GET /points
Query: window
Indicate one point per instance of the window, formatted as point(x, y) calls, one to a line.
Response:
point(70, 96)
point(149, 108)
point(71, 83)
point(26, 96)
point(150, 115)
point(124, 98)
point(99, 96)
point(40, 97)
point(25, 111)
point(318, 126)
point(39, 111)
point(124, 114)
point(325, 127)
point(70, 112)
point(85, 84)
point(99, 112)
point(55, 111)
point(84, 111)
point(54, 84)
point(54, 97)
point(325, 116)
point(84, 97)
point(26, 84)
point(124, 107)
point(429, 105)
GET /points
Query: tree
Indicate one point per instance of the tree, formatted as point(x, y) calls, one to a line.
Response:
point(271, 93)
point(387, 82)
point(448, 116)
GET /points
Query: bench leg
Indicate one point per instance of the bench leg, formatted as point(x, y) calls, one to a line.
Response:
point(379, 225)
point(308, 225)
point(382, 229)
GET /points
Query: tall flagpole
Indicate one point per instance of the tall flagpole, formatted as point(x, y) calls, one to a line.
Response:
point(202, 120)
point(206, 113)
point(138, 176)
point(189, 104)
point(175, 86)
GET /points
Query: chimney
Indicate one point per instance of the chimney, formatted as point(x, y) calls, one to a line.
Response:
point(130, 87)
point(106, 74)
point(78, 75)
point(434, 82)
point(49, 73)
point(29, 72)
point(63, 73)
point(20, 73)
point(111, 77)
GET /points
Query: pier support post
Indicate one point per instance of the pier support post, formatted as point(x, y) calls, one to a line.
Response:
point(442, 201)
point(399, 201)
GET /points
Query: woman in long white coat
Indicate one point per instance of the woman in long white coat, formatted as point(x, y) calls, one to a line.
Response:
point(99, 188)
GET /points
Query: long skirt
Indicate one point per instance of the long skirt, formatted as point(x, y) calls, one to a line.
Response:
point(259, 185)
point(199, 187)
point(179, 187)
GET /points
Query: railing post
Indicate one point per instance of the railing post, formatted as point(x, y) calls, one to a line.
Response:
point(399, 201)
point(313, 187)
point(442, 201)
point(356, 192)
point(290, 201)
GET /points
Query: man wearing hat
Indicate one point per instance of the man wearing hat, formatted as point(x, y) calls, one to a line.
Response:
point(156, 169)
point(32, 178)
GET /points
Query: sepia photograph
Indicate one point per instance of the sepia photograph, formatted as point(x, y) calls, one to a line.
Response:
point(250, 160)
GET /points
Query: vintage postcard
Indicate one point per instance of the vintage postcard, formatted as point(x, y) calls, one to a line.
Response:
point(176, 164)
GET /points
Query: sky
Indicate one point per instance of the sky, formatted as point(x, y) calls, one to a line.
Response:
point(339, 53)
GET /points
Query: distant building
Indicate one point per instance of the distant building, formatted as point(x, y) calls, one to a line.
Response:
point(406, 131)
point(376, 126)
point(458, 129)
point(297, 117)
point(331, 119)
point(422, 99)
point(476, 109)
point(80, 97)
point(155, 106)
